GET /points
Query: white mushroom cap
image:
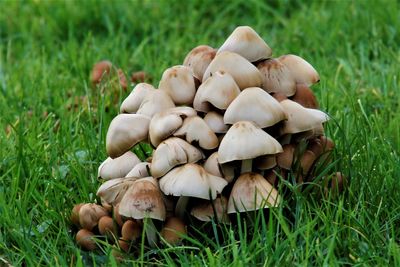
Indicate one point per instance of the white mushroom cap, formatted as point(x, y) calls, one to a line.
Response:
point(216, 122)
point(205, 211)
point(252, 192)
point(195, 129)
point(244, 140)
point(132, 103)
point(198, 59)
point(301, 119)
point(165, 123)
point(192, 180)
point(113, 190)
point(178, 82)
point(243, 72)
point(256, 105)
point(125, 131)
point(117, 167)
point(211, 165)
point(141, 170)
point(143, 199)
point(247, 43)
point(301, 70)
point(219, 91)
point(277, 77)
point(154, 102)
point(172, 152)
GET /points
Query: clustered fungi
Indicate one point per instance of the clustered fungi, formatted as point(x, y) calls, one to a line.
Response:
point(226, 126)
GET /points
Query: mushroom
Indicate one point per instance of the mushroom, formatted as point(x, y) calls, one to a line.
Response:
point(117, 167)
point(217, 209)
point(216, 123)
point(219, 91)
point(247, 43)
point(285, 159)
point(122, 79)
point(178, 83)
point(301, 70)
point(112, 191)
point(212, 166)
point(252, 192)
point(89, 215)
point(256, 105)
point(99, 70)
point(125, 131)
point(265, 162)
point(132, 102)
point(141, 170)
point(140, 77)
point(75, 214)
point(198, 60)
point(85, 239)
point(154, 102)
point(107, 227)
point(172, 152)
point(305, 96)
point(243, 72)
point(131, 230)
point(173, 230)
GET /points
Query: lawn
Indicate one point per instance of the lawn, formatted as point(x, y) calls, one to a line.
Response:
point(50, 149)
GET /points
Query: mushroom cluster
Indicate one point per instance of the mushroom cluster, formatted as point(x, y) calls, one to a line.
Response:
point(226, 127)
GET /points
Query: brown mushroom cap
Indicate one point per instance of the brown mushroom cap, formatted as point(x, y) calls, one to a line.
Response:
point(107, 227)
point(198, 59)
point(216, 122)
point(84, 238)
point(118, 167)
point(99, 70)
point(90, 214)
point(131, 230)
point(154, 102)
point(132, 102)
point(205, 211)
point(285, 159)
point(305, 96)
point(75, 214)
point(173, 230)
point(301, 70)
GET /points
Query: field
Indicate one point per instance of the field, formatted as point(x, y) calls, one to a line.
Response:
point(50, 148)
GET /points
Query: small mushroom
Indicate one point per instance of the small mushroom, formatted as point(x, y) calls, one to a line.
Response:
point(99, 70)
point(198, 60)
point(140, 77)
point(216, 122)
point(107, 227)
point(305, 97)
point(90, 214)
point(207, 211)
point(122, 79)
point(118, 167)
point(301, 70)
point(112, 191)
point(75, 214)
point(285, 159)
point(131, 230)
point(132, 102)
point(140, 170)
point(85, 239)
point(173, 230)
point(154, 102)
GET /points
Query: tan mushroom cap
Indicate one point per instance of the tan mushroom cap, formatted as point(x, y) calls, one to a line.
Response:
point(100, 69)
point(247, 43)
point(301, 70)
point(256, 105)
point(198, 59)
point(141, 170)
point(143, 199)
point(132, 102)
point(252, 192)
point(216, 122)
point(301, 119)
point(165, 123)
point(196, 129)
point(172, 152)
point(85, 239)
point(113, 191)
point(118, 167)
point(173, 230)
point(243, 72)
point(205, 211)
point(125, 131)
point(90, 214)
point(285, 159)
point(154, 102)
point(178, 82)
point(305, 96)
point(277, 77)
point(265, 162)
point(192, 180)
point(219, 91)
point(244, 140)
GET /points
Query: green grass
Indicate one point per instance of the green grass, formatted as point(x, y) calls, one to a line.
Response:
point(48, 48)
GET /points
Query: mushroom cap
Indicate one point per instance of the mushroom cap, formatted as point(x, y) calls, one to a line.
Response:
point(99, 70)
point(85, 239)
point(192, 180)
point(154, 102)
point(216, 122)
point(243, 72)
point(301, 119)
point(196, 129)
point(285, 159)
point(219, 91)
point(247, 43)
point(178, 82)
point(90, 214)
point(172, 152)
point(256, 105)
point(301, 70)
point(112, 191)
point(198, 59)
point(244, 140)
point(118, 167)
point(265, 162)
point(143, 199)
point(277, 77)
point(131, 230)
point(106, 227)
point(141, 170)
point(165, 123)
point(125, 131)
point(305, 97)
point(205, 211)
point(211, 165)
point(173, 230)
point(252, 192)
point(132, 102)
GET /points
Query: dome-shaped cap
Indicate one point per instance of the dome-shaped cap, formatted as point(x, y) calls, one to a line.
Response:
point(117, 167)
point(132, 102)
point(198, 59)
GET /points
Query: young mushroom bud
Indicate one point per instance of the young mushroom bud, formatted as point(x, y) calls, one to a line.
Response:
point(89, 215)
point(107, 227)
point(305, 97)
point(173, 230)
point(100, 69)
point(131, 230)
point(75, 214)
point(84, 238)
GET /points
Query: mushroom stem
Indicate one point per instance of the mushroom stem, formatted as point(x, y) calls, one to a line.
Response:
point(151, 232)
point(286, 139)
point(246, 165)
point(181, 206)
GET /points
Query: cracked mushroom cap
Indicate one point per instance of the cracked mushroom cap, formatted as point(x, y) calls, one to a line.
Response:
point(205, 211)
point(143, 199)
point(277, 77)
point(256, 105)
point(301, 119)
point(172, 152)
point(132, 102)
point(252, 192)
point(216, 122)
point(117, 167)
point(192, 180)
point(154, 102)
point(243, 72)
point(125, 131)
point(301, 70)
point(219, 91)
point(165, 123)
point(112, 191)
point(178, 82)
point(141, 170)
point(196, 129)
point(246, 42)
point(244, 140)
point(198, 60)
